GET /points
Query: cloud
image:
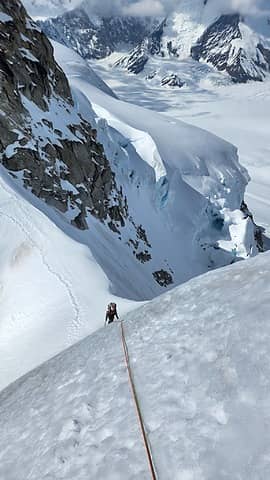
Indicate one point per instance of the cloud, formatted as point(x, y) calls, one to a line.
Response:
point(154, 8)
point(164, 7)
point(243, 6)
point(145, 8)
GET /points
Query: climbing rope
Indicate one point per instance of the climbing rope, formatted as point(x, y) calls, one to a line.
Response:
point(137, 406)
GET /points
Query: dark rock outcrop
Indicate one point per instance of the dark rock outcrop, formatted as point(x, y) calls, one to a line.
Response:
point(172, 80)
point(258, 231)
point(217, 46)
point(43, 139)
point(96, 39)
point(45, 143)
point(163, 278)
point(136, 60)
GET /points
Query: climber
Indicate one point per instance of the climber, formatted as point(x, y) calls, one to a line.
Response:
point(111, 313)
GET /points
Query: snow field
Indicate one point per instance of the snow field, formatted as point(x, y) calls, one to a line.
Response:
point(199, 358)
point(103, 406)
point(52, 291)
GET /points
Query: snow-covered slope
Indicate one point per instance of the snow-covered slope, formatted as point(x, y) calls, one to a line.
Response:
point(50, 285)
point(52, 290)
point(200, 360)
point(155, 200)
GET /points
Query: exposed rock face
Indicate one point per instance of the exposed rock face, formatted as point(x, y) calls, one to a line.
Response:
point(172, 80)
point(163, 277)
point(47, 145)
point(96, 38)
point(136, 60)
point(224, 45)
point(258, 231)
point(43, 140)
point(228, 44)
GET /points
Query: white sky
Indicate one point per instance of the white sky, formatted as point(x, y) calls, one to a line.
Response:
point(161, 7)
point(140, 7)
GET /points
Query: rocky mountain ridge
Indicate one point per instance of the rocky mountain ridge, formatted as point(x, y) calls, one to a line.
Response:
point(223, 41)
point(223, 45)
point(45, 142)
point(139, 56)
point(51, 149)
point(94, 37)
point(228, 45)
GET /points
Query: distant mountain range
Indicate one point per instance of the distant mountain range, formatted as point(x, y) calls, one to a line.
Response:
point(230, 43)
point(94, 37)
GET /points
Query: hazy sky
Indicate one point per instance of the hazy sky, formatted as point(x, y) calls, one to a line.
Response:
point(140, 7)
point(161, 7)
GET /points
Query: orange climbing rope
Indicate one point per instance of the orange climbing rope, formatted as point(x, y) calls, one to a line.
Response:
point(137, 406)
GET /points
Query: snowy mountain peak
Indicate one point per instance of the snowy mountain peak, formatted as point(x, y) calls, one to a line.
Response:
point(230, 45)
point(202, 30)
point(227, 43)
point(96, 37)
point(101, 201)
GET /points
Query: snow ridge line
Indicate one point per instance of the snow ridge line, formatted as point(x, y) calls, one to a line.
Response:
point(137, 406)
point(62, 280)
